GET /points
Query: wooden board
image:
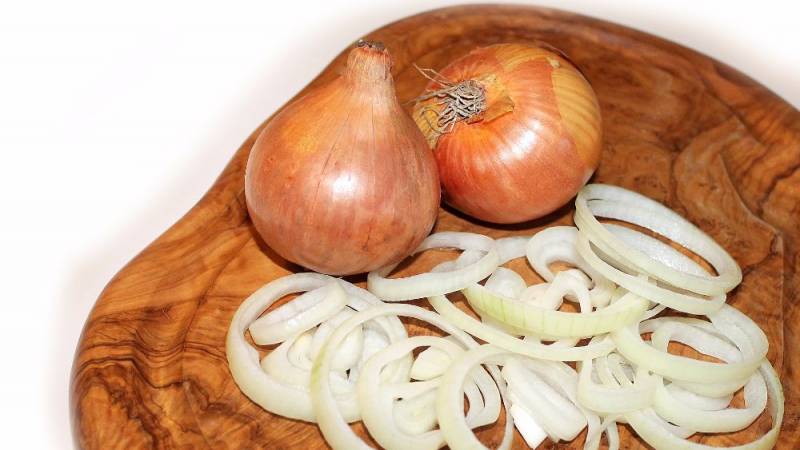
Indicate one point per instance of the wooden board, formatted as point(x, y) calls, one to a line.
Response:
point(150, 368)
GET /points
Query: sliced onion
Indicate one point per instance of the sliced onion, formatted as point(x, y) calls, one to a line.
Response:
point(506, 282)
point(531, 432)
point(303, 313)
point(510, 284)
point(543, 321)
point(438, 283)
point(410, 425)
point(243, 360)
point(351, 348)
point(278, 365)
point(679, 368)
point(299, 352)
point(544, 400)
point(558, 244)
point(430, 363)
point(282, 388)
point(651, 432)
point(716, 421)
point(696, 401)
point(527, 347)
point(541, 386)
point(450, 401)
point(608, 398)
point(344, 355)
point(692, 304)
point(617, 203)
point(332, 423)
point(512, 247)
point(656, 249)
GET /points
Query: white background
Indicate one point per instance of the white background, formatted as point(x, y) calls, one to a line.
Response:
point(115, 118)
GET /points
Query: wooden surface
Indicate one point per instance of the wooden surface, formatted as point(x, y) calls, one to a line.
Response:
point(150, 368)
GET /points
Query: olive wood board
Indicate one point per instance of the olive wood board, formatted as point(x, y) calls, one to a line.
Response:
point(150, 369)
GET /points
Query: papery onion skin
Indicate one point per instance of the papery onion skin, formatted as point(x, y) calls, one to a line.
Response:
point(341, 181)
point(537, 142)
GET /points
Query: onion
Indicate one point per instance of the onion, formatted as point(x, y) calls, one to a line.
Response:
point(649, 429)
point(527, 347)
point(606, 399)
point(306, 311)
point(515, 129)
point(686, 302)
point(742, 358)
point(344, 355)
point(333, 178)
point(280, 382)
point(558, 244)
point(411, 425)
point(617, 203)
point(439, 282)
point(546, 391)
point(333, 423)
point(541, 320)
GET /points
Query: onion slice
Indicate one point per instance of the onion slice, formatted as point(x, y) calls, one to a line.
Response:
point(614, 202)
point(543, 321)
point(511, 247)
point(526, 347)
point(332, 423)
point(736, 326)
point(243, 360)
point(607, 398)
point(558, 244)
point(691, 304)
point(303, 313)
point(343, 354)
point(654, 434)
point(438, 283)
point(414, 415)
point(285, 394)
point(450, 400)
point(546, 391)
point(718, 421)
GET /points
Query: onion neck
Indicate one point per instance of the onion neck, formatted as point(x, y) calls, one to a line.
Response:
point(369, 66)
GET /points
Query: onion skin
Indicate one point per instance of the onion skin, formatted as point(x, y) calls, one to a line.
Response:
point(536, 143)
point(341, 181)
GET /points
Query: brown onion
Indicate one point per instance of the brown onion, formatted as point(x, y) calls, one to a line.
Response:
point(341, 181)
point(515, 129)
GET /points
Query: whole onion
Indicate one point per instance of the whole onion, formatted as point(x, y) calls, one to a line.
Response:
point(341, 181)
point(516, 131)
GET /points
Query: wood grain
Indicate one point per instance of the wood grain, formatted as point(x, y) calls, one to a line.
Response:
point(150, 369)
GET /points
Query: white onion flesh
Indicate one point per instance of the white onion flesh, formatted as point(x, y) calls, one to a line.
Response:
point(531, 348)
point(543, 321)
point(660, 439)
point(679, 301)
point(332, 423)
point(550, 401)
point(617, 203)
point(438, 283)
point(679, 368)
point(343, 355)
point(275, 383)
point(306, 311)
point(411, 424)
point(558, 244)
point(604, 399)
